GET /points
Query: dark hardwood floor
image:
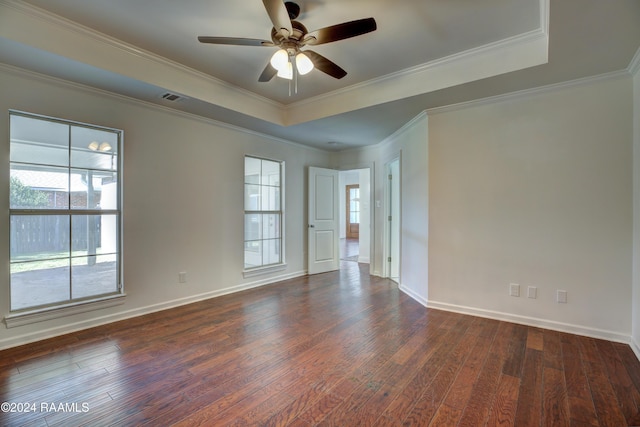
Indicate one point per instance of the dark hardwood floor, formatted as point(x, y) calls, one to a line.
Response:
point(341, 349)
point(349, 249)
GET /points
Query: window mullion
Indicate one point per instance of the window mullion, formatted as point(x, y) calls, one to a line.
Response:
point(70, 215)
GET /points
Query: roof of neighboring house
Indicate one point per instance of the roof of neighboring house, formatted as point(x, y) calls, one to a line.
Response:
point(54, 181)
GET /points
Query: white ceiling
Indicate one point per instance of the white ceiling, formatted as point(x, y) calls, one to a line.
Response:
point(424, 54)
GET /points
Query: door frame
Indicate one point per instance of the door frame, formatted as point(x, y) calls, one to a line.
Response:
point(386, 240)
point(373, 206)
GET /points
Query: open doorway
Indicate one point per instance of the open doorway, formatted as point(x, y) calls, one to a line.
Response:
point(355, 213)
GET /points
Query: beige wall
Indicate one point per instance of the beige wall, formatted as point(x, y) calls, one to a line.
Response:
point(198, 229)
point(536, 190)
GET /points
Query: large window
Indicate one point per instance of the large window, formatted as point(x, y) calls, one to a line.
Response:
point(263, 213)
point(65, 212)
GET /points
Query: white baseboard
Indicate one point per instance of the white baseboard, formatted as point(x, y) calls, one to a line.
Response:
point(635, 347)
point(524, 320)
point(413, 295)
point(364, 259)
point(123, 315)
point(528, 321)
point(533, 321)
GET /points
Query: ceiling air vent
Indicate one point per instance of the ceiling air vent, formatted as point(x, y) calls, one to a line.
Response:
point(171, 97)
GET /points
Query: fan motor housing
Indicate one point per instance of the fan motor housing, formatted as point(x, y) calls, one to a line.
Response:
point(299, 31)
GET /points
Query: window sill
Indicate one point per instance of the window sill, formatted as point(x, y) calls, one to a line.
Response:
point(28, 317)
point(263, 270)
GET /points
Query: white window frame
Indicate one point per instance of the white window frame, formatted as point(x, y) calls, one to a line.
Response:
point(281, 264)
point(36, 313)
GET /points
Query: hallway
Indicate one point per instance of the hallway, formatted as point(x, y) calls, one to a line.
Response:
point(349, 250)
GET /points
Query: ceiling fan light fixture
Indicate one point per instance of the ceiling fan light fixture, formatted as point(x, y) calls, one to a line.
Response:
point(280, 59)
point(286, 72)
point(96, 146)
point(303, 64)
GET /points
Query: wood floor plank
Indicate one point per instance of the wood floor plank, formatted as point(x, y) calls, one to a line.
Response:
point(446, 416)
point(555, 403)
point(627, 395)
point(431, 399)
point(462, 387)
point(356, 380)
point(517, 346)
point(507, 337)
point(535, 339)
point(442, 346)
point(503, 411)
point(529, 411)
point(604, 398)
point(581, 408)
point(341, 348)
point(552, 350)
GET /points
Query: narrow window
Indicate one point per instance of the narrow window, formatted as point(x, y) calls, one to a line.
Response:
point(263, 212)
point(65, 210)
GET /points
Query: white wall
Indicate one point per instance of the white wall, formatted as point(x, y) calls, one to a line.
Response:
point(364, 241)
point(183, 199)
point(536, 190)
point(410, 143)
point(636, 208)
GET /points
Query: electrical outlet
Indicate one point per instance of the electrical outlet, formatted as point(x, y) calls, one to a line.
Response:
point(561, 297)
point(514, 289)
point(182, 277)
point(532, 292)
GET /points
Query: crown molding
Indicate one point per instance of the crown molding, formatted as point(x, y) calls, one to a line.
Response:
point(515, 53)
point(68, 39)
point(529, 92)
point(391, 138)
point(634, 65)
point(544, 15)
point(407, 126)
point(28, 74)
point(451, 59)
point(129, 60)
point(541, 33)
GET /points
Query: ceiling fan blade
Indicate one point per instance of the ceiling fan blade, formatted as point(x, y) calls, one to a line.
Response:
point(268, 73)
point(279, 16)
point(236, 41)
point(325, 65)
point(341, 31)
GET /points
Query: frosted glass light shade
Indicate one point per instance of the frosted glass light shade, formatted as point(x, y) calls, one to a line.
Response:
point(286, 72)
point(303, 64)
point(95, 146)
point(280, 59)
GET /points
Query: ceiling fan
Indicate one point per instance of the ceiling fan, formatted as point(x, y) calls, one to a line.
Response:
point(291, 36)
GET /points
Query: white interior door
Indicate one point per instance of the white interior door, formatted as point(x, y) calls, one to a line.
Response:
point(324, 221)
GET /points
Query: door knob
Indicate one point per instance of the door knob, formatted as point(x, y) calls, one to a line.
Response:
point(312, 226)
